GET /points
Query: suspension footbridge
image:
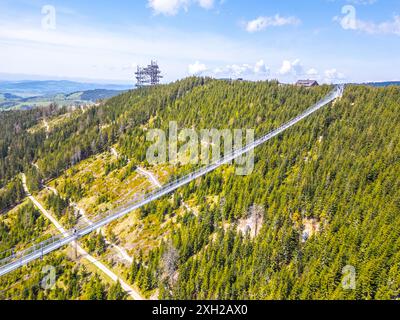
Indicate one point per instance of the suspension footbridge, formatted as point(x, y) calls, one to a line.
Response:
point(16, 260)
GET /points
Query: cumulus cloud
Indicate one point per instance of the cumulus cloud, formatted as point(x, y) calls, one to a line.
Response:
point(332, 75)
point(261, 23)
point(260, 67)
point(241, 70)
point(294, 68)
point(206, 4)
point(197, 68)
point(168, 7)
point(172, 7)
point(312, 72)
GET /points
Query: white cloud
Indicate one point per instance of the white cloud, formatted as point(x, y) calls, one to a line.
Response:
point(238, 70)
point(294, 68)
point(218, 71)
point(168, 7)
point(261, 23)
point(259, 69)
point(206, 4)
point(386, 27)
point(197, 68)
point(172, 7)
point(332, 75)
point(312, 72)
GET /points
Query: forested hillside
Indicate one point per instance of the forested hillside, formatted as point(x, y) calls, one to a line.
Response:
point(325, 193)
point(339, 169)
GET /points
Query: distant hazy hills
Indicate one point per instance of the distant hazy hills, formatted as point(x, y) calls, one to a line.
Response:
point(32, 93)
point(383, 84)
point(29, 94)
point(40, 88)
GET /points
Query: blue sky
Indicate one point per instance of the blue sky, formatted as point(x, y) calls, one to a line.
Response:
point(327, 40)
